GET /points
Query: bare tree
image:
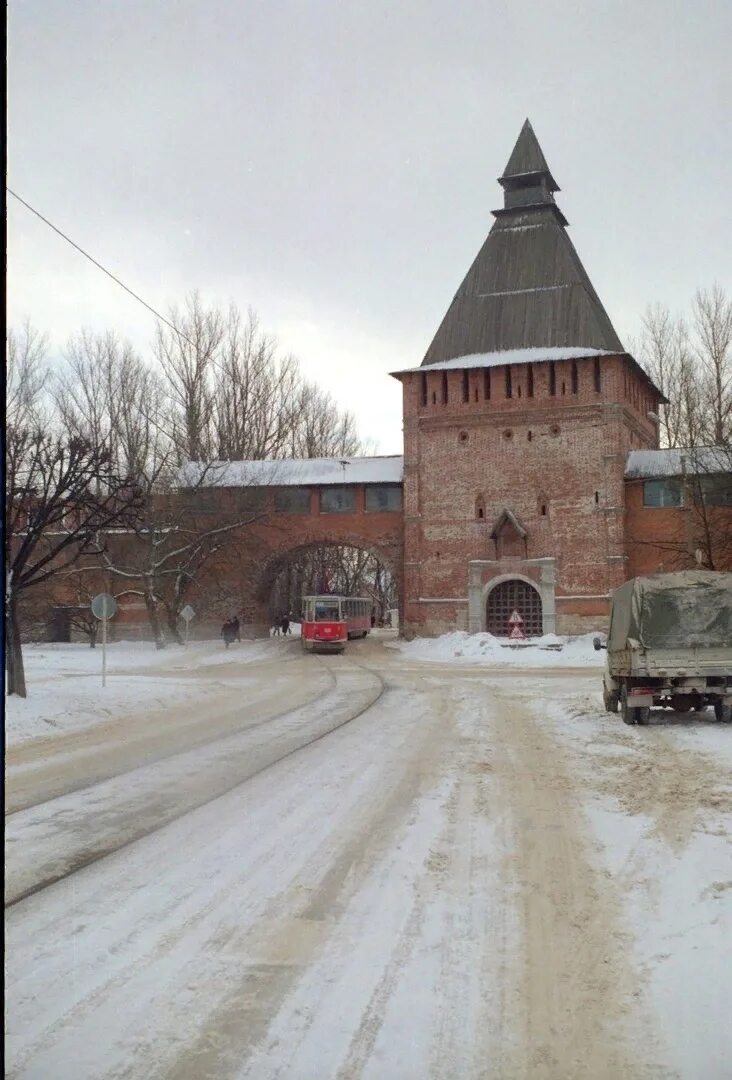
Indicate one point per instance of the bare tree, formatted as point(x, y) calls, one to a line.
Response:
point(186, 356)
point(61, 493)
point(664, 353)
point(181, 529)
point(256, 392)
point(712, 317)
point(321, 428)
point(26, 375)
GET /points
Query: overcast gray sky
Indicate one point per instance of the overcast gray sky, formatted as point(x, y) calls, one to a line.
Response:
point(333, 164)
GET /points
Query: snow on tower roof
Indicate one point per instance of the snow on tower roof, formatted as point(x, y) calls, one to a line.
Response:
point(294, 472)
point(507, 356)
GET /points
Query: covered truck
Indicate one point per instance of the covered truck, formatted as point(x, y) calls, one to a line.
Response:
point(670, 643)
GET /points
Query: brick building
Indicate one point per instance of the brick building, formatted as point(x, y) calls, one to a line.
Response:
point(531, 476)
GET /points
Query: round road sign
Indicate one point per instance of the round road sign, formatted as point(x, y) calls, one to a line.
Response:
point(103, 605)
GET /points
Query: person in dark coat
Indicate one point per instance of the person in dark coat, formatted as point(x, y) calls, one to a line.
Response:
point(285, 624)
point(228, 633)
point(236, 628)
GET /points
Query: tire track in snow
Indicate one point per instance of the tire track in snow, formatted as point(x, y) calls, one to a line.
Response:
point(60, 866)
point(85, 744)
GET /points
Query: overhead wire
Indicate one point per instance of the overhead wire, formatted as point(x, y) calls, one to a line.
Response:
point(99, 266)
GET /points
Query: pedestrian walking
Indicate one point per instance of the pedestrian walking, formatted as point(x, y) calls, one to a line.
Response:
point(228, 633)
point(236, 628)
point(285, 625)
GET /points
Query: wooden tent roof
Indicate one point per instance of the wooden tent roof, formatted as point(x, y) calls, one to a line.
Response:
point(527, 158)
point(527, 287)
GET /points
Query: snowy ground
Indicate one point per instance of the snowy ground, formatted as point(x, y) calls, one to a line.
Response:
point(369, 866)
point(65, 689)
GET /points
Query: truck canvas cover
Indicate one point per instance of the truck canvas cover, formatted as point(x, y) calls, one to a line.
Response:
point(689, 609)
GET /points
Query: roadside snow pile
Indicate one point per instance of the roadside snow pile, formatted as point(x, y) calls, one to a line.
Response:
point(460, 647)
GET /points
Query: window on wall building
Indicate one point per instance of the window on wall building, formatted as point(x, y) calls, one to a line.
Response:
point(575, 377)
point(383, 497)
point(466, 386)
point(716, 490)
point(337, 500)
point(444, 388)
point(661, 493)
point(423, 389)
point(530, 380)
point(251, 500)
point(293, 500)
point(487, 383)
point(552, 378)
point(509, 388)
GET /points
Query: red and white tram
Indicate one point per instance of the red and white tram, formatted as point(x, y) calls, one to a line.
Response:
point(329, 621)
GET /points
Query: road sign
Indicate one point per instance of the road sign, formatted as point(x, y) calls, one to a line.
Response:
point(104, 606)
point(517, 628)
point(187, 613)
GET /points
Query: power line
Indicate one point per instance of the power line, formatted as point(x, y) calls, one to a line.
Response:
point(99, 266)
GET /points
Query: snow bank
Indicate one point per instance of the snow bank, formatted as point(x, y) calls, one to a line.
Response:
point(460, 647)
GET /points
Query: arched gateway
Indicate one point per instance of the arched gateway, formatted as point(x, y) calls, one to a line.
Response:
point(510, 596)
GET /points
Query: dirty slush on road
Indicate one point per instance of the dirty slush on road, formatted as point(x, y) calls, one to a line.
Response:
point(420, 890)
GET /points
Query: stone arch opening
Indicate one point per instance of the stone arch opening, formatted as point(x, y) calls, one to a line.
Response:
point(322, 566)
point(514, 594)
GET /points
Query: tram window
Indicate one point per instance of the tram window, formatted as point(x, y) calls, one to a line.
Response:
point(327, 611)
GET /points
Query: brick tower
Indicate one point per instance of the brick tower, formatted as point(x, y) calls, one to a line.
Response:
point(516, 429)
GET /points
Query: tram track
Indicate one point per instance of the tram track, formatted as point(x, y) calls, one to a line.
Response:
point(163, 758)
point(75, 861)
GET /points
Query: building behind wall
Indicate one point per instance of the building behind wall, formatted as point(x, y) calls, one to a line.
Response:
point(517, 426)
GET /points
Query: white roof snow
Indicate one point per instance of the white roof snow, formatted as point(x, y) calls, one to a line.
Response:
point(509, 356)
point(649, 463)
point(294, 472)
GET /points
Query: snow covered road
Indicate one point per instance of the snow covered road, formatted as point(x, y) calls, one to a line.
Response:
point(476, 873)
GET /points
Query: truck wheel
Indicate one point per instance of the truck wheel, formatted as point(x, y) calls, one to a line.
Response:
point(628, 714)
point(723, 711)
point(611, 700)
point(643, 715)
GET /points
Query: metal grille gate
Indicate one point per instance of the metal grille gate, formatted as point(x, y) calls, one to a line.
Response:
point(510, 596)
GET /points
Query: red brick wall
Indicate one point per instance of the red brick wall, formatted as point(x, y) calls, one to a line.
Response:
point(666, 538)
